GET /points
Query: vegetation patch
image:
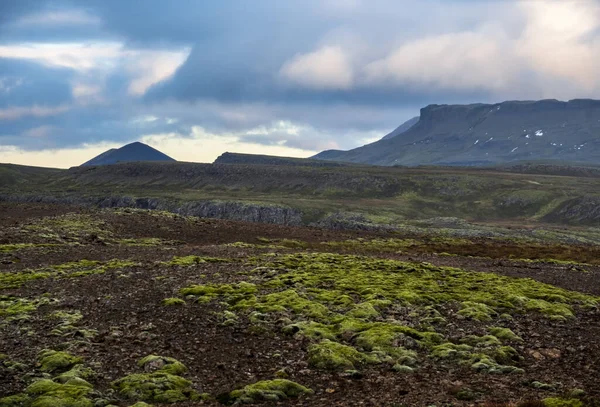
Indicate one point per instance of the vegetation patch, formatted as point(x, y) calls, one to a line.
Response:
point(267, 390)
point(153, 363)
point(193, 260)
point(162, 385)
point(347, 305)
point(79, 268)
point(173, 301)
point(16, 308)
point(8, 248)
point(52, 361)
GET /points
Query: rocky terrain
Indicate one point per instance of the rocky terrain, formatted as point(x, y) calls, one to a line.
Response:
point(489, 134)
point(293, 195)
point(142, 307)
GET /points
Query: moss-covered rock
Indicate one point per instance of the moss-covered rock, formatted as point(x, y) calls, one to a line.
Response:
point(157, 387)
point(505, 334)
point(52, 361)
point(560, 402)
point(336, 356)
point(268, 390)
point(17, 400)
point(173, 301)
point(153, 363)
point(48, 393)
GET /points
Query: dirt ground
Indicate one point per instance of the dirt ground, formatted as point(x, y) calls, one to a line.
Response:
point(123, 308)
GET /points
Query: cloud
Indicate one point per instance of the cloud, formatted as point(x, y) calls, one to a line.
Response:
point(456, 61)
point(562, 42)
point(325, 68)
point(58, 17)
point(12, 113)
point(39, 132)
point(149, 67)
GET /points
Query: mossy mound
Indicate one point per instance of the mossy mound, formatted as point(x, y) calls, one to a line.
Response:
point(268, 390)
point(153, 363)
point(193, 260)
point(155, 387)
point(336, 356)
point(560, 402)
point(17, 400)
point(52, 361)
point(173, 301)
point(48, 393)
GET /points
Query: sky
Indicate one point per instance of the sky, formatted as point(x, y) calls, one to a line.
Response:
point(196, 78)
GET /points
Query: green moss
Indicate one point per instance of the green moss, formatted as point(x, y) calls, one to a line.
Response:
point(173, 301)
point(402, 369)
point(481, 341)
point(141, 404)
point(336, 356)
point(8, 248)
point(153, 363)
point(268, 390)
point(363, 310)
point(193, 260)
point(48, 393)
point(451, 351)
point(560, 402)
point(310, 329)
point(17, 400)
point(233, 292)
point(505, 334)
point(478, 311)
point(67, 270)
point(67, 317)
point(154, 387)
point(76, 372)
point(15, 308)
point(348, 305)
point(52, 361)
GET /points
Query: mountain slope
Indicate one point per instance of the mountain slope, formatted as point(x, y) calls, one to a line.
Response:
point(129, 153)
point(486, 134)
point(403, 128)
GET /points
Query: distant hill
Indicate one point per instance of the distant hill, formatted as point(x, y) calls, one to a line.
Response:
point(257, 159)
point(489, 134)
point(129, 153)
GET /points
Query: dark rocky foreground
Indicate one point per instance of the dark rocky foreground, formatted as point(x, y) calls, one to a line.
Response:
point(99, 304)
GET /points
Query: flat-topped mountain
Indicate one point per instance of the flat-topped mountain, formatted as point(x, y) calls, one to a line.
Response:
point(129, 153)
point(488, 134)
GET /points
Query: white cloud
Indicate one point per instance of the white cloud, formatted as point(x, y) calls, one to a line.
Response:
point(562, 41)
point(7, 85)
point(77, 56)
point(457, 61)
point(17, 112)
point(95, 61)
point(326, 68)
point(150, 67)
point(59, 17)
point(38, 132)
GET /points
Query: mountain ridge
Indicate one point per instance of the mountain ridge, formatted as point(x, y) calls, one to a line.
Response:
point(488, 134)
